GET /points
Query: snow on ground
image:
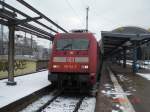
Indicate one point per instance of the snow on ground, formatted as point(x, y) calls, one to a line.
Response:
point(62, 104)
point(88, 105)
point(119, 97)
point(145, 65)
point(33, 107)
point(25, 86)
point(142, 64)
point(147, 76)
point(68, 104)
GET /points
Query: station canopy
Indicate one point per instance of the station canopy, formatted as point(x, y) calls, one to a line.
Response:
point(116, 40)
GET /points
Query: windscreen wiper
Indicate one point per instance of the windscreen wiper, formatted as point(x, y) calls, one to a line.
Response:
point(66, 46)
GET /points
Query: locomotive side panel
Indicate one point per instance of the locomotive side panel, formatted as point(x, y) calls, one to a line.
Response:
point(93, 59)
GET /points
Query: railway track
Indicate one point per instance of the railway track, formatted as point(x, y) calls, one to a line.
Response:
point(64, 104)
point(58, 101)
point(78, 104)
point(50, 101)
point(41, 103)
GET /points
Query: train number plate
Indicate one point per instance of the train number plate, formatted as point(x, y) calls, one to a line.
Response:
point(70, 59)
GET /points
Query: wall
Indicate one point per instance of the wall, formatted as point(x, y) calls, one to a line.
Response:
point(21, 67)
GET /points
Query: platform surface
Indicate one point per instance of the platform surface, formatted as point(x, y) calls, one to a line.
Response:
point(25, 86)
point(123, 91)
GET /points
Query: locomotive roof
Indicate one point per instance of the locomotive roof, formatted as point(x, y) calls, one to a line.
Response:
point(75, 34)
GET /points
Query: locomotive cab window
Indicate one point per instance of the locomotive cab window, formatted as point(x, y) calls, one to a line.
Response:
point(72, 44)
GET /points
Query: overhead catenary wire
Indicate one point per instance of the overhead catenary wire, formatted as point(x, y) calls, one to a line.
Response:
point(74, 11)
point(91, 5)
point(83, 4)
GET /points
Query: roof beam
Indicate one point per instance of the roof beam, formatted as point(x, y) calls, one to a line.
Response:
point(20, 28)
point(25, 15)
point(26, 20)
point(3, 22)
point(39, 13)
point(46, 26)
point(6, 14)
point(117, 35)
point(116, 48)
point(36, 29)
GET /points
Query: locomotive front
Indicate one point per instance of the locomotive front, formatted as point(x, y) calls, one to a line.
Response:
point(70, 61)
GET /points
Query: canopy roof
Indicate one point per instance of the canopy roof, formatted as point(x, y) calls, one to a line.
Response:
point(114, 41)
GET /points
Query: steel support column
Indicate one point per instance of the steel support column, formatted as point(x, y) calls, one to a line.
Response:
point(119, 58)
point(11, 52)
point(124, 57)
point(134, 65)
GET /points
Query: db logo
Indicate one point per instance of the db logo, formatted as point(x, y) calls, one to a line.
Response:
point(70, 59)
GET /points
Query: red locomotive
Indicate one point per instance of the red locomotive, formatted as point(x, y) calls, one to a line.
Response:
point(75, 59)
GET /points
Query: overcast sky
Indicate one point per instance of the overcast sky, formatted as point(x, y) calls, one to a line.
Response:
point(103, 14)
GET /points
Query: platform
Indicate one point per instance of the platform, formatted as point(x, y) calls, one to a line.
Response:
point(122, 91)
point(26, 85)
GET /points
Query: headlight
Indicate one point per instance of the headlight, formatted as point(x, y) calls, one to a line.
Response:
point(55, 66)
point(84, 66)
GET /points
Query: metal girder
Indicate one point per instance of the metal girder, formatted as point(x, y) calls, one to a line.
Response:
point(111, 38)
point(114, 38)
point(3, 22)
point(45, 26)
point(13, 21)
point(25, 15)
point(39, 13)
point(109, 34)
point(20, 28)
point(115, 52)
point(24, 29)
point(12, 8)
point(145, 35)
point(37, 29)
point(112, 42)
point(116, 48)
point(26, 20)
point(28, 26)
point(7, 12)
point(117, 35)
point(142, 36)
point(4, 14)
point(145, 41)
point(109, 46)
